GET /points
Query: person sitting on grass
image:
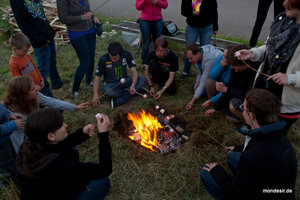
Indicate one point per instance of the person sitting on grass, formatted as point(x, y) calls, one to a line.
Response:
point(9, 122)
point(48, 165)
point(219, 73)
point(113, 67)
point(161, 65)
point(265, 165)
point(22, 96)
point(205, 57)
point(240, 82)
point(20, 63)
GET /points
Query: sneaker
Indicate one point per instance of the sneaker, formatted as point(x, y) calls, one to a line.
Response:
point(56, 87)
point(76, 94)
point(184, 75)
point(143, 90)
point(113, 103)
point(91, 84)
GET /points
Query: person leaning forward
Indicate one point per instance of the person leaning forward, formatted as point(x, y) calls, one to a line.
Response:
point(113, 67)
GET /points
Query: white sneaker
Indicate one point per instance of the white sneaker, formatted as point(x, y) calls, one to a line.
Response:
point(112, 103)
point(76, 94)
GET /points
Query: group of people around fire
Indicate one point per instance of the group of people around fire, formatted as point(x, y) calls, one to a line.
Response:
point(259, 86)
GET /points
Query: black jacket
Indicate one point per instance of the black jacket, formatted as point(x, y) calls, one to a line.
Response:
point(59, 173)
point(239, 84)
point(208, 14)
point(32, 21)
point(267, 163)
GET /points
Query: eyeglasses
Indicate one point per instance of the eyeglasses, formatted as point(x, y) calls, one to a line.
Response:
point(243, 109)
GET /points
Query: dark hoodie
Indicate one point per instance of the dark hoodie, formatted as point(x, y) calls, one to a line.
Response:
point(32, 21)
point(56, 172)
point(268, 162)
point(208, 14)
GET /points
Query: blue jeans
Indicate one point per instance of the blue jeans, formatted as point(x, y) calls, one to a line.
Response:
point(233, 159)
point(46, 63)
point(191, 35)
point(122, 95)
point(149, 28)
point(85, 50)
point(208, 181)
point(97, 189)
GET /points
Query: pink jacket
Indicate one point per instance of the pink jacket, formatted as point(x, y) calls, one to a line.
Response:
point(151, 12)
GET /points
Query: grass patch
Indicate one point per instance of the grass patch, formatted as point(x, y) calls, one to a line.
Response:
point(139, 173)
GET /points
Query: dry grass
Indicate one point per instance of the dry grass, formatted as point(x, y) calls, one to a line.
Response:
point(139, 173)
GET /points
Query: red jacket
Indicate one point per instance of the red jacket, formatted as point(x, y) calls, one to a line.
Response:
point(151, 12)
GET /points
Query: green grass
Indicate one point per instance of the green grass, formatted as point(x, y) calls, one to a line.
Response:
point(139, 173)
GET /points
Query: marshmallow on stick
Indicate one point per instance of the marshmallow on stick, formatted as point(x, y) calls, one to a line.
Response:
point(145, 96)
point(122, 81)
point(99, 116)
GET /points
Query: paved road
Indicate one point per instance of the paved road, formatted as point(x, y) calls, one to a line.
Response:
point(236, 17)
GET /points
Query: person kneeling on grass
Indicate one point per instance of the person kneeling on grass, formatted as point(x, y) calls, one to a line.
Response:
point(162, 65)
point(266, 164)
point(48, 164)
point(205, 58)
point(240, 82)
point(112, 66)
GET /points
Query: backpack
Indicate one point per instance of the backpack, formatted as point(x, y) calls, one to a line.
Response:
point(170, 28)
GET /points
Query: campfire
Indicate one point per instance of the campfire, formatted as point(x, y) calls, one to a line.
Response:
point(156, 131)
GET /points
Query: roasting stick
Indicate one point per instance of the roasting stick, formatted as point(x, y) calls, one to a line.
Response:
point(122, 81)
point(143, 95)
point(214, 139)
point(100, 6)
point(255, 69)
point(88, 142)
point(237, 54)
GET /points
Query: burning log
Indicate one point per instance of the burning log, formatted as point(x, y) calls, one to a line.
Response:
point(162, 133)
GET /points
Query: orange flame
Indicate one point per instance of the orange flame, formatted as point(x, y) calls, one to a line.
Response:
point(147, 126)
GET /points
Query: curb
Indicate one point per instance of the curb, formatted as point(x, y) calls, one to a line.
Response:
point(133, 27)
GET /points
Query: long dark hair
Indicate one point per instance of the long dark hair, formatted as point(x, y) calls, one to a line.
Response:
point(38, 124)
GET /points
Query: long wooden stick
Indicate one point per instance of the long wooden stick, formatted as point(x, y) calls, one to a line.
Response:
point(254, 69)
point(213, 139)
point(107, 92)
point(135, 92)
point(100, 6)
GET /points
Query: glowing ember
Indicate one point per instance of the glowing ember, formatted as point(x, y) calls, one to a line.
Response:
point(147, 126)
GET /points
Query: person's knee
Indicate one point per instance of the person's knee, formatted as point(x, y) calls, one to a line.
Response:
point(231, 108)
point(106, 183)
point(210, 85)
point(141, 80)
point(203, 175)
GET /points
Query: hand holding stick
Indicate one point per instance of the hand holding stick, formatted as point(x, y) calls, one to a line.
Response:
point(248, 54)
point(122, 81)
point(143, 95)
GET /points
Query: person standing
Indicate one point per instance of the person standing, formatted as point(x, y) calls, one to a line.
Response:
point(201, 24)
point(150, 22)
point(281, 62)
point(32, 21)
point(79, 19)
point(262, 11)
